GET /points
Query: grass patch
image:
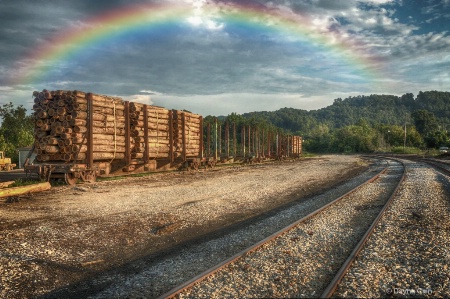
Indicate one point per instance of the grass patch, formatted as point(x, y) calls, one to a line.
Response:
point(432, 152)
point(416, 151)
point(23, 182)
point(112, 178)
point(407, 150)
point(306, 154)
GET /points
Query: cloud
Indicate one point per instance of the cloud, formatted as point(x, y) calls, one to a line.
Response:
point(206, 63)
point(139, 98)
point(228, 103)
point(336, 4)
point(378, 2)
point(150, 92)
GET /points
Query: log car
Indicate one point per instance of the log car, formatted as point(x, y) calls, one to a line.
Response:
point(82, 135)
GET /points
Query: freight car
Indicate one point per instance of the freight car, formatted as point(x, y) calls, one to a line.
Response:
point(79, 136)
point(251, 144)
point(83, 135)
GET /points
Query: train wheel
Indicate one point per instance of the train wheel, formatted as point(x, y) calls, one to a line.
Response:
point(70, 179)
point(213, 163)
point(89, 176)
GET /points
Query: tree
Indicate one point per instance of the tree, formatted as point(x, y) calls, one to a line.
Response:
point(436, 139)
point(356, 139)
point(16, 129)
point(425, 121)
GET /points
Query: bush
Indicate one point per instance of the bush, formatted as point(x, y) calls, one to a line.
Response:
point(407, 150)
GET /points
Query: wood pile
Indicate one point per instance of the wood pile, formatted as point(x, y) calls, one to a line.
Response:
point(62, 129)
point(189, 135)
point(158, 124)
point(61, 126)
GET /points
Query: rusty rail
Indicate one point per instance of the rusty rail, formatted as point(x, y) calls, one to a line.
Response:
point(436, 165)
point(331, 288)
point(177, 290)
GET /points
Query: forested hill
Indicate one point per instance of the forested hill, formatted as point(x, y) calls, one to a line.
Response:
point(375, 109)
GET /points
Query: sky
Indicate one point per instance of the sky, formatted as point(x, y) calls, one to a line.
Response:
point(218, 57)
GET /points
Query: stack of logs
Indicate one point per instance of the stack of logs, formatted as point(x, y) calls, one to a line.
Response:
point(158, 131)
point(61, 126)
point(192, 133)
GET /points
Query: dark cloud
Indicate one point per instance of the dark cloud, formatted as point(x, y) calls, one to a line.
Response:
point(336, 4)
point(232, 58)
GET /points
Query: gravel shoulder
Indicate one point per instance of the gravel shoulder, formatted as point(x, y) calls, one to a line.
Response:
point(66, 235)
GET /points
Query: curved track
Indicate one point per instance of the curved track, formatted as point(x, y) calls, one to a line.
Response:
point(441, 166)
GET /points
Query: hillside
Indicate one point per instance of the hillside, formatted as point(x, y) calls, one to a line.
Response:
point(375, 109)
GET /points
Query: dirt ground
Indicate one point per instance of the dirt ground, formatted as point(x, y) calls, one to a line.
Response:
point(62, 236)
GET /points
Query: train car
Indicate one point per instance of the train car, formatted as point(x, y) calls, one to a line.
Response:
point(228, 142)
point(80, 136)
point(83, 135)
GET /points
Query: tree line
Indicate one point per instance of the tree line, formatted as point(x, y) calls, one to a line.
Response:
point(358, 124)
point(369, 123)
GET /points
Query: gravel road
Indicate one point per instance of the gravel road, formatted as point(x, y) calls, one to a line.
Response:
point(58, 240)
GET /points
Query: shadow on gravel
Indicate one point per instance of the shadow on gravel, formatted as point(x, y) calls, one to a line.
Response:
point(97, 281)
point(446, 186)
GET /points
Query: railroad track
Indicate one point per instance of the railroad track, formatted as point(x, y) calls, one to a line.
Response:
point(408, 254)
point(306, 258)
point(442, 167)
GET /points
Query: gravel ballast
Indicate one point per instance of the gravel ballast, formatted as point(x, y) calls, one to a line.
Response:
point(409, 253)
point(161, 276)
point(302, 261)
point(67, 235)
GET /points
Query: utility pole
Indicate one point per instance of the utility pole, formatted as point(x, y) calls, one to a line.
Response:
point(404, 141)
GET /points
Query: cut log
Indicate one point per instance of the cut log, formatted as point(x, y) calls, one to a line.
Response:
point(77, 122)
point(6, 184)
point(79, 114)
point(107, 117)
point(108, 137)
point(5, 192)
point(79, 129)
point(51, 149)
point(103, 124)
point(108, 111)
point(53, 141)
point(75, 148)
point(109, 131)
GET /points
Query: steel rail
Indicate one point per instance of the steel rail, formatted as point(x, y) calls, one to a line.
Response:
point(186, 285)
point(436, 165)
point(331, 288)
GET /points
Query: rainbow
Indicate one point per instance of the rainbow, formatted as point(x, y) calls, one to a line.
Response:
point(68, 43)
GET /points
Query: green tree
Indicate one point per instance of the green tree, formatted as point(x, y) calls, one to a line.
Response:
point(425, 121)
point(16, 129)
point(436, 139)
point(359, 138)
